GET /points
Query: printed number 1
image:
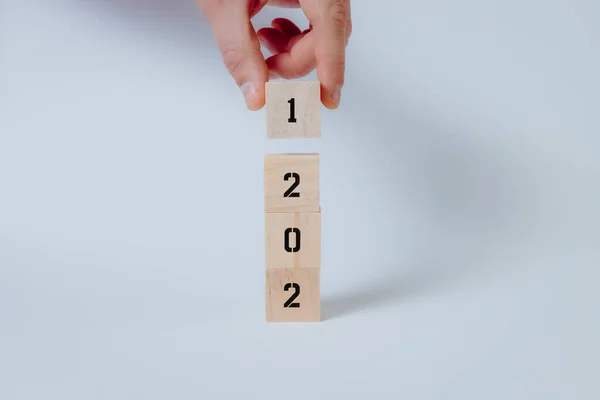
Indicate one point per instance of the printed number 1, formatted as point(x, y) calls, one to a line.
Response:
point(292, 118)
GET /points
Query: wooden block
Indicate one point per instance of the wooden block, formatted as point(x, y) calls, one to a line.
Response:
point(293, 240)
point(293, 295)
point(291, 183)
point(293, 109)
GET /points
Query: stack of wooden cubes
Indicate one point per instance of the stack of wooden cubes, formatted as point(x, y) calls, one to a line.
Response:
point(292, 205)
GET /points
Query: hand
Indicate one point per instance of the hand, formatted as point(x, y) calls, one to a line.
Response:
point(295, 53)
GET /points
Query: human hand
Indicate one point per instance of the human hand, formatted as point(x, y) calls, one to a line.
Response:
point(296, 53)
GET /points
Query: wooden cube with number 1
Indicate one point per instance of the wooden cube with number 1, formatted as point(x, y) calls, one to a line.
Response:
point(293, 110)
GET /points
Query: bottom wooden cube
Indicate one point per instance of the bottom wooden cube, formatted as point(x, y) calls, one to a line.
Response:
point(293, 294)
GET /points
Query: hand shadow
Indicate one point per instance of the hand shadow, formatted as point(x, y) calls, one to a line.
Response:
point(471, 190)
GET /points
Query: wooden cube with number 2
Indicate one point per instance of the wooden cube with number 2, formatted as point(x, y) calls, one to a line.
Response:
point(292, 183)
point(293, 295)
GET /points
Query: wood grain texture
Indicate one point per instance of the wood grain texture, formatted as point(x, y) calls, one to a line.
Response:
point(304, 281)
point(280, 174)
point(306, 105)
point(293, 240)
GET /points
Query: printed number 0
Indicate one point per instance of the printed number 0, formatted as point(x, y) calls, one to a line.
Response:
point(289, 303)
point(292, 119)
point(290, 192)
point(286, 240)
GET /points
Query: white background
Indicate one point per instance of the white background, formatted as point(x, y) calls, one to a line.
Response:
point(460, 195)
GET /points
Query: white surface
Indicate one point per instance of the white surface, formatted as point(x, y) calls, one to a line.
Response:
point(460, 195)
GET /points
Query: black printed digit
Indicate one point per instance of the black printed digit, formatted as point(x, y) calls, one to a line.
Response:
point(286, 240)
point(289, 303)
point(292, 118)
point(290, 192)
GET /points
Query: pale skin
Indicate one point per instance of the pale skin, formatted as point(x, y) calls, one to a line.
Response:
point(296, 53)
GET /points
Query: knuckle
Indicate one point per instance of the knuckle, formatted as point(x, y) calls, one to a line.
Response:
point(338, 12)
point(340, 66)
point(348, 29)
point(300, 73)
point(233, 58)
point(210, 8)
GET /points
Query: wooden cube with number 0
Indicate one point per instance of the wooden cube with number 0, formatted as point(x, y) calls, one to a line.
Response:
point(291, 183)
point(293, 295)
point(293, 240)
point(293, 109)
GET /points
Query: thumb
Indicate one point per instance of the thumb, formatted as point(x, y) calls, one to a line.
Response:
point(240, 49)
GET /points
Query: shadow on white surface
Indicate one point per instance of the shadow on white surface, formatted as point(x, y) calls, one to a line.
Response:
point(472, 199)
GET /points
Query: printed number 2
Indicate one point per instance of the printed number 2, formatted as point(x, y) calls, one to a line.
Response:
point(289, 303)
point(290, 192)
point(292, 119)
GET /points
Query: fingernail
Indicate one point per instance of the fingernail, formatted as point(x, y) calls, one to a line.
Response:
point(249, 91)
point(337, 95)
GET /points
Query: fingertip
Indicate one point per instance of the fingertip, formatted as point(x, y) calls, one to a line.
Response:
point(329, 104)
point(259, 100)
point(254, 94)
point(331, 97)
point(336, 95)
point(256, 106)
point(331, 75)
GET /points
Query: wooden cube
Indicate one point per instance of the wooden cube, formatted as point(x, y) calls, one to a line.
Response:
point(291, 183)
point(293, 295)
point(293, 240)
point(293, 109)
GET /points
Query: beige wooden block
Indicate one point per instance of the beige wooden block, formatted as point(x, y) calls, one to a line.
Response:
point(293, 109)
point(291, 183)
point(293, 295)
point(293, 240)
